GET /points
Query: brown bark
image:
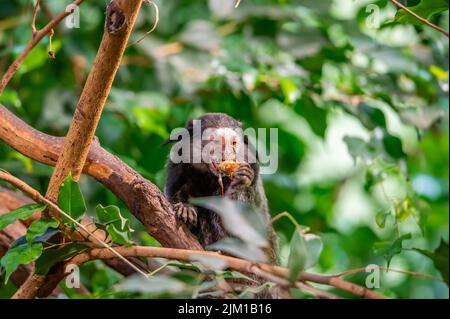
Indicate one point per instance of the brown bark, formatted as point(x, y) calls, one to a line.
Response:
point(10, 200)
point(261, 270)
point(120, 18)
point(144, 200)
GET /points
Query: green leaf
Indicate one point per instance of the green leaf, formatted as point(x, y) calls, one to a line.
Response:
point(239, 219)
point(371, 117)
point(439, 258)
point(314, 247)
point(381, 218)
point(239, 248)
point(402, 210)
point(389, 251)
point(53, 256)
point(155, 285)
point(20, 255)
point(393, 146)
point(71, 200)
point(120, 237)
point(297, 257)
point(22, 213)
point(210, 262)
point(111, 215)
point(305, 250)
point(117, 226)
point(359, 148)
point(39, 239)
point(313, 114)
point(290, 90)
point(374, 175)
point(425, 9)
point(39, 228)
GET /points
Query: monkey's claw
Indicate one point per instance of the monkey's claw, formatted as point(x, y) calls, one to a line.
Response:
point(186, 213)
point(243, 176)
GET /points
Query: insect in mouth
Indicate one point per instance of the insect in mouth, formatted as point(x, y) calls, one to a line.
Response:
point(225, 168)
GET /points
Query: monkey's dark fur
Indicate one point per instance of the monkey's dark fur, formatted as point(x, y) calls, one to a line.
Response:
point(186, 180)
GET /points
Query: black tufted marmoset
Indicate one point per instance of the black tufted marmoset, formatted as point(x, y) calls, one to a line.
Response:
point(209, 177)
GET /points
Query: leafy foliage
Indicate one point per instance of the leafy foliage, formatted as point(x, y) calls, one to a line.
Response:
point(71, 200)
point(440, 258)
point(117, 226)
point(22, 213)
point(358, 91)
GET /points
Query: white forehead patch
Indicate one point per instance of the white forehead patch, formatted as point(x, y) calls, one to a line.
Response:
point(217, 133)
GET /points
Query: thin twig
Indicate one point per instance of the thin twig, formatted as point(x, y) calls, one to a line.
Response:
point(315, 291)
point(400, 5)
point(33, 20)
point(38, 36)
point(155, 25)
point(404, 272)
point(35, 195)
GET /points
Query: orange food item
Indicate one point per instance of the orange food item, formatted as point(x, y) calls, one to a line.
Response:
point(228, 167)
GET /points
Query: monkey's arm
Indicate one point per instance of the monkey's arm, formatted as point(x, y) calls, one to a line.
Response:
point(177, 191)
point(247, 187)
point(243, 184)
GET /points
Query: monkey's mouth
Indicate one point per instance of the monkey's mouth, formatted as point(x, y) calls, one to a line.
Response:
point(222, 169)
point(225, 168)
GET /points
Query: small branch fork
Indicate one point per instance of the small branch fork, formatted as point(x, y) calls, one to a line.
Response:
point(33, 21)
point(37, 36)
point(35, 195)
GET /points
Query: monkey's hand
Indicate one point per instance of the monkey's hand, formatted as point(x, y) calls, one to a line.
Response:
point(243, 177)
point(187, 213)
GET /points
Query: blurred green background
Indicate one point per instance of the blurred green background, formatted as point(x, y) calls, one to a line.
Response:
point(360, 101)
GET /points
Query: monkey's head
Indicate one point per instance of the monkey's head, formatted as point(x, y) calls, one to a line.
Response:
point(216, 143)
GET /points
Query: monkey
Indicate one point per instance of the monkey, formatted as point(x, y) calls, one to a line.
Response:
point(190, 179)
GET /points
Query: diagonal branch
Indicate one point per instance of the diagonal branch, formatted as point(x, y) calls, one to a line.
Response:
point(144, 200)
point(415, 15)
point(34, 194)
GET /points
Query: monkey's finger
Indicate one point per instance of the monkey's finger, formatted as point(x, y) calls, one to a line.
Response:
point(192, 216)
point(185, 214)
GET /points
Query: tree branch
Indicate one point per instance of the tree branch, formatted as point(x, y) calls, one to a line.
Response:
point(12, 200)
point(144, 200)
point(409, 11)
point(241, 265)
point(33, 20)
point(82, 229)
point(120, 17)
point(36, 38)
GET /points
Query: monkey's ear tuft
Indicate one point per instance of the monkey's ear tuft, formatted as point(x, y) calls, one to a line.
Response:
point(170, 141)
point(190, 126)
